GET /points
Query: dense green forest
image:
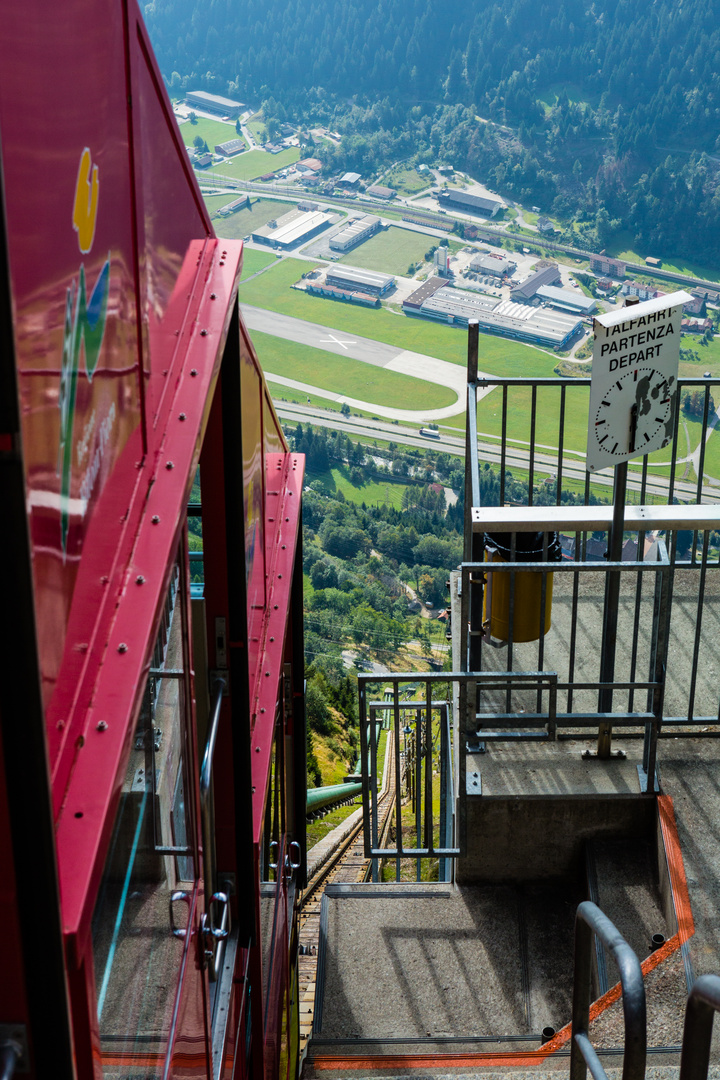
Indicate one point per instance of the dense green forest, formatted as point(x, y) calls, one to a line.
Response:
point(610, 109)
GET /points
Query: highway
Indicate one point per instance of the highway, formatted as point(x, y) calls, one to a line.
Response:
point(545, 464)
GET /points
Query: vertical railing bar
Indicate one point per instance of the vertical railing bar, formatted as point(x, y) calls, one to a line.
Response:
point(701, 461)
point(643, 479)
point(511, 616)
point(398, 792)
point(561, 446)
point(374, 787)
point(362, 701)
point(674, 445)
point(698, 623)
point(541, 637)
point(429, 838)
point(418, 789)
point(503, 444)
point(636, 623)
point(573, 620)
point(533, 415)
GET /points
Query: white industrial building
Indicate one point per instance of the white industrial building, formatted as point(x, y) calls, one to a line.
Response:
point(356, 232)
point(292, 229)
point(492, 265)
point(567, 300)
point(520, 321)
point(367, 281)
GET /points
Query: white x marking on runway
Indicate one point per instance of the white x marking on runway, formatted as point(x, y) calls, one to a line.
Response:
point(337, 341)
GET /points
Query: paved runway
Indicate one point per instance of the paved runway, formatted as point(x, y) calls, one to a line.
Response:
point(403, 361)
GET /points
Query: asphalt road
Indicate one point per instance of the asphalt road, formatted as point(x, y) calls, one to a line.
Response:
point(544, 464)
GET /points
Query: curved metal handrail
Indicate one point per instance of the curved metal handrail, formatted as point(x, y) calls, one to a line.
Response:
point(589, 921)
point(702, 1004)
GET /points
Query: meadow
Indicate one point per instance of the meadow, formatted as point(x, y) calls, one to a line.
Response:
point(351, 378)
point(390, 251)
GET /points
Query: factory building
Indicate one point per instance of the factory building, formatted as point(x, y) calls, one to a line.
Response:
point(527, 289)
point(292, 229)
point(356, 232)
point(213, 103)
point(567, 300)
point(367, 281)
point(493, 265)
point(476, 204)
point(507, 318)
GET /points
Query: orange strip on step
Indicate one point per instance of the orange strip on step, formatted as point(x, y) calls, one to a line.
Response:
point(686, 928)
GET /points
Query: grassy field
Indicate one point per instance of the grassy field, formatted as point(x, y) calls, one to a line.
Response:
point(212, 131)
point(340, 374)
point(408, 181)
point(242, 222)
point(390, 252)
point(709, 358)
point(256, 163)
point(373, 493)
point(254, 261)
point(498, 356)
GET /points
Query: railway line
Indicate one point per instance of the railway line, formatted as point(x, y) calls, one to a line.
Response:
point(347, 865)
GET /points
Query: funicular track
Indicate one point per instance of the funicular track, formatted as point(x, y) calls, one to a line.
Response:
point(347, 865)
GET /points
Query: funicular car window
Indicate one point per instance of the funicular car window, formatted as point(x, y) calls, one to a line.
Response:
point(137, 959)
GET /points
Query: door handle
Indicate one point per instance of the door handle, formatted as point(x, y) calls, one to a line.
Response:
point(271, 864)
point(295, 855)
point(221, 929)
point(178, 931)
point(212, 932)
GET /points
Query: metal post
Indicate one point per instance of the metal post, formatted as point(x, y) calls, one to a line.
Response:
point(612, 590)
point(610, 611)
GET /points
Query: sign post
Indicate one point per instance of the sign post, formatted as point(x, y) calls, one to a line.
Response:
point(632, 413)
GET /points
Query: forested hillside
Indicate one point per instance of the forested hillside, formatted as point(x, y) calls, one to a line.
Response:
point(611, 107)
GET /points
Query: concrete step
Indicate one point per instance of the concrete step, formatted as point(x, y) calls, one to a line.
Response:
point(445, 966)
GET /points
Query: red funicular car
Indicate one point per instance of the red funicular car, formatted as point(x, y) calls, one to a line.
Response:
point(152, 773)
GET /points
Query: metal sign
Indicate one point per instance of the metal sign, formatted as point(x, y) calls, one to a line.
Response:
point(634, 379)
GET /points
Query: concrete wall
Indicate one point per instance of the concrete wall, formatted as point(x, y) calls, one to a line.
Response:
point(529, 838)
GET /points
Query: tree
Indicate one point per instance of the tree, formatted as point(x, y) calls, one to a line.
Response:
point(192, 117)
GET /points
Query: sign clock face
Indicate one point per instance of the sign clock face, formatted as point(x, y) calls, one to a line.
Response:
point(635, 411)
point(634, 379)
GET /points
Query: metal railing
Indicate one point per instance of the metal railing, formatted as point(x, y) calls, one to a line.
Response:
point(652, 685)
point(702, 1004)
point(422, 764)
point(590, 921)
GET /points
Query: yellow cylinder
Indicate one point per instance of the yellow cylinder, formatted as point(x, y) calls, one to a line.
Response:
point(528, 600)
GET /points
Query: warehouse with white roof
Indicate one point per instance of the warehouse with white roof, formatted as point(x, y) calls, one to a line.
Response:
point(292, 229)
point(521, 321)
